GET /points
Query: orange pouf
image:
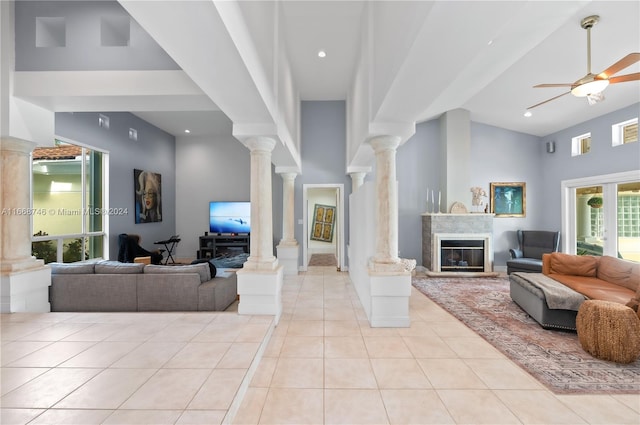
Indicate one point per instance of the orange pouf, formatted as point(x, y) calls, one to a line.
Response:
point(609, 331)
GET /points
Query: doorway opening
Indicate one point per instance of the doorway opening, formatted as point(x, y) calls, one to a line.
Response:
point(323, 223)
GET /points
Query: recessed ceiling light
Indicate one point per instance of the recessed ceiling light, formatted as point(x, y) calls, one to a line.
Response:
point(528, 114)
point(322, 54)
point(187, 131)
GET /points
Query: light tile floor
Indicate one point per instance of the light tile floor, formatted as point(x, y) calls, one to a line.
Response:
point(323, 363)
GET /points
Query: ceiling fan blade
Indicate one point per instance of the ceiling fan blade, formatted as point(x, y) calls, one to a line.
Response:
point(626, 61)
point(553, 85)
point(548, 100)
point(623, 78)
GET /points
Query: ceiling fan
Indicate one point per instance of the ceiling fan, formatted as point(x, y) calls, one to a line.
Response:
point(591, 85)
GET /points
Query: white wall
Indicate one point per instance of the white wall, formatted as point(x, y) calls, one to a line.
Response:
point(207, 170)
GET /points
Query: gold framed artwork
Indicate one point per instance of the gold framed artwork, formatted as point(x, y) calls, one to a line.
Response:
point(323, 223)
point(509, 199)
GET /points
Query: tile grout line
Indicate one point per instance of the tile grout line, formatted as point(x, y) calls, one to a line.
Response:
point(232, 411)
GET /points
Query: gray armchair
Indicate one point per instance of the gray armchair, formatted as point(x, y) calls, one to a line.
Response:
point(532, 244)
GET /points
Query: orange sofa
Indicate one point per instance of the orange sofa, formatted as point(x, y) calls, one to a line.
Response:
point(579, 277)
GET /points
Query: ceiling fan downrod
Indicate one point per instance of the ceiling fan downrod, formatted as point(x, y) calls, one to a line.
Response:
point(588, 23)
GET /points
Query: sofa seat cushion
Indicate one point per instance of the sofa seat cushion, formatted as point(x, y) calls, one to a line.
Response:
point(595, 289)
point(201, 269)
point(621, 272)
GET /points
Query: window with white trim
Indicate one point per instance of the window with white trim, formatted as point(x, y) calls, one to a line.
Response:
point(624, 132)
point(581, 145)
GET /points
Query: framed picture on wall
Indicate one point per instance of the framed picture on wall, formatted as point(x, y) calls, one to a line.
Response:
point(148, 196)
point(509, 199)
point(322, 228)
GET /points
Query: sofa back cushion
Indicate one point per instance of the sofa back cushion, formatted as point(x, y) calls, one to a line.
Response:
point(575, 265)
point(201, 269)
point(621, 272)
point(72, 268)
point(116, 267)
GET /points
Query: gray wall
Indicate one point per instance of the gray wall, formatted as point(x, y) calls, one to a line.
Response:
point(219, 169)
point(603, 158)
point(83, 48)
point(153, 151)
point(498, 155)
point(322, 146)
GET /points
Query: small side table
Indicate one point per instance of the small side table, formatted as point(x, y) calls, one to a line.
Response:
point(609, 331)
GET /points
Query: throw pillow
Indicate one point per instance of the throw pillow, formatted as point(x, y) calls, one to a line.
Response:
point(573, 265)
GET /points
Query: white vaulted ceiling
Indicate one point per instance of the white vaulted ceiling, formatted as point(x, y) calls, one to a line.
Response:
point(415, 59)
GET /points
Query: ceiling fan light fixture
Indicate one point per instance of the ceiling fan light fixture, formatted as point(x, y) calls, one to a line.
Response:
point(595, 98)
point(590, 88)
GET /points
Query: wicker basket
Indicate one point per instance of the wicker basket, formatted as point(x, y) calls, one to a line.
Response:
point(609, 331)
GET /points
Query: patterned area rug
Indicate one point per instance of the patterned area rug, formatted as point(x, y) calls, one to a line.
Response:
point(323, 260)
point(555, 358)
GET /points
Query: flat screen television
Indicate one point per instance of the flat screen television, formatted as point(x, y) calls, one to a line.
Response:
point(230, 217)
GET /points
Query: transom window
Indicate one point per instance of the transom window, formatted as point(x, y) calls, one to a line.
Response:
point(624, 132)
point(581, 145)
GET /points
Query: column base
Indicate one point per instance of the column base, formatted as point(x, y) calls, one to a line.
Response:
point(25, 291)
point(260, 292)
point(390, 292)
point(288, 257)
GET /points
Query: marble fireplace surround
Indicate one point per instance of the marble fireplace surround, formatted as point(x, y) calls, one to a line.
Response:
point(437, 227)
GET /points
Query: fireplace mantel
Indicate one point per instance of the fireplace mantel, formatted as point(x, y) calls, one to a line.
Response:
point(455, 226)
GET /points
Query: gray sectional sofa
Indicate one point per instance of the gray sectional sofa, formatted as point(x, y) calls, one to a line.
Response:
point(109, 286)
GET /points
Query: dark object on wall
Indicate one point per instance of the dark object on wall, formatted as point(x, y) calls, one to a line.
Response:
point(551, 147)
point(129, 249)
point(148, 196)
point(531, 245)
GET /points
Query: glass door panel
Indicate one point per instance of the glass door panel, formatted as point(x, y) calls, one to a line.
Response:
point(629, 221)
point(590, 229)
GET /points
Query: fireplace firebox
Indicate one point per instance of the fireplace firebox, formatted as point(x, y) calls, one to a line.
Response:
point(462, 255)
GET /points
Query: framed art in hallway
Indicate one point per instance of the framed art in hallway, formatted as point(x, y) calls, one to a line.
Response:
point(509, 199)
point(323, 218)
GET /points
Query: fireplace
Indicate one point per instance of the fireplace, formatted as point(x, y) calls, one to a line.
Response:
point(459, 244)
point(462, 253)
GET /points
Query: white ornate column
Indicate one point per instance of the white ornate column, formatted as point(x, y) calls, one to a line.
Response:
point(260, 279)
point(261, 253)
point(387, 207)
point(288, 249)
point(390, 283)
point(24, 279)
point(357, 179)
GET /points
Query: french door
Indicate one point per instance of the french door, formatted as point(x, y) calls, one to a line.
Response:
point(601, 215)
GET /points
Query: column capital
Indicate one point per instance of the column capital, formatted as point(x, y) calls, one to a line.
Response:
point(357, 179)
point(385, 142)
point(288, 176)
point(17, 145)
point(260, 144)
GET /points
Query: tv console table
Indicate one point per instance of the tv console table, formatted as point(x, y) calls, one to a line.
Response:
point(209, 244)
